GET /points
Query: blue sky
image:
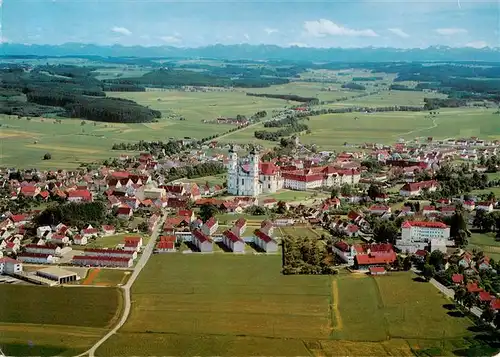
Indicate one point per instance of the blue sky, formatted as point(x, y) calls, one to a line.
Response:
point(347, 23)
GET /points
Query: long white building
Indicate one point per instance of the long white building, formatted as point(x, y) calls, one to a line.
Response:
point(417, 235)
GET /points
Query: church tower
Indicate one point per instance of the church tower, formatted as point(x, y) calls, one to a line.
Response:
point(254, 172)
point(232, 173)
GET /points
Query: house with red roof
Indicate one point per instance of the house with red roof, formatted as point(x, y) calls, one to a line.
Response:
point(108, 230)
point(30, 191)
point(485, 206)
point(416, 188)
point(417, 235)
point(9, 266)
point(457, 278)
point(373, 255)
point(485, 297)
point(59, 239)
point(233, 242)
point(210, 226)
point(447, 211)
point(89, 232)
point(80, 196)
point(202, 241)
point(429, 210)
point(239, 226)
point(132, 243)
point(102, 261)
point(379, 209)
point(20, 219)
point(377, 271)
point(78, 239)
point(466, 260)
point(344, 251)
point(469, 205)
point(265, 242)
point(124, 212)
point(495, 304)
point(474, 288)
point(166, 244)
point(36, 258)
point(187, 214)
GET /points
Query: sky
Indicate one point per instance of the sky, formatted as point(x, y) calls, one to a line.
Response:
point(312, 23)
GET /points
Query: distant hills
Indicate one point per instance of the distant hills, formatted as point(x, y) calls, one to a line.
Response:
point(258, 52)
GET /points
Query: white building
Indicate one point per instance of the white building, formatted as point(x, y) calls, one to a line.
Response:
point(252, 178)
point(233, 242)
point(10, 266)
point(417, 235)
point(485, 206)
point(42, 231)
point(37, 258)
point(202, 241)
point(100, 260)
point(344, 251)
point(51, 249)
point(116, 253)
point(210, 226)
point(265, 242)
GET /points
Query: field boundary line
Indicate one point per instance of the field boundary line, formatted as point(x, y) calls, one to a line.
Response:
point(337, 322)
point(93, 273)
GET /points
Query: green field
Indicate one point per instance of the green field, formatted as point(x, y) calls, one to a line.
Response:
point(198, 106)
point(198, 308)
point(485, 242)
point(37, 320)
point(112, 241)
point(294, 196)
point(331, 131)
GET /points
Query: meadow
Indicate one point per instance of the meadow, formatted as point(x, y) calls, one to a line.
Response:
point(241, 305)
point(487, 243)
point(37, 320)
point(332, 131)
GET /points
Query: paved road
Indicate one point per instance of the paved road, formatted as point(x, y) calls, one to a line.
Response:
point(451, 294)
point(146, 254)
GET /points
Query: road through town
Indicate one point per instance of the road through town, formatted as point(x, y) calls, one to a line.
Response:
point(146, 254)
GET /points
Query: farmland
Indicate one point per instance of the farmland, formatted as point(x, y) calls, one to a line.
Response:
point(197, 310)
point(331, 131)
point(38, 320)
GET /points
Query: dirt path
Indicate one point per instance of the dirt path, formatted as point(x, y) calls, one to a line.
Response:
point(434, 125)
point(91, 276)
point(337, 323)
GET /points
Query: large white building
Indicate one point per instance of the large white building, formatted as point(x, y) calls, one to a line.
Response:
point(10, 266)
point(417, 235)
point(251, 177)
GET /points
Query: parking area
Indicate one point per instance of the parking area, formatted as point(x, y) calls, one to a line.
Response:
point(10, 280)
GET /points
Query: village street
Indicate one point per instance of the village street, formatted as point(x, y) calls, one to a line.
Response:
point(146, 254)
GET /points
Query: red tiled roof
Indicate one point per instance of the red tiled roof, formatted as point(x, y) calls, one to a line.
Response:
point(124, 210)
point(231, 236)
point(131, 244)
point(473, 288)
point(33, 255)
point(107, 251)
point(200, 236)
point(108, 228)
point(341, 245)
point(457, 278)
point(261, 235)
point(132, 239)
point(167, 238)
point(101, 258)
point(377, 270)
point(18, 218)
point(495, 304)
point(409, 224)
point(416, 186)
point(368, 259)
point(90, 230)
point(85, 194)
point(211, 222)
point(240, 222)
point(163, 244)
point(9, 260)
point(485, 296)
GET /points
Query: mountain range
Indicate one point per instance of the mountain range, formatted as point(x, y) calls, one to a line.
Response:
point(258, 52)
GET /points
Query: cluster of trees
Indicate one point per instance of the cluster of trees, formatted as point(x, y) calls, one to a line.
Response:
point(305, 255)
point(487, 221)
point(292, 97)
point(200, 170)
point(174, 78)
point(166, 148)
point(436, 103)
point(402, 87)
point(367, 79)
point(288, 121)
point(353, 86)
point(73, 214)
point(67, 90)
point(276, 135)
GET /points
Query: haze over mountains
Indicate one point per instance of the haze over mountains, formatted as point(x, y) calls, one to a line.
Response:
point(259, 52)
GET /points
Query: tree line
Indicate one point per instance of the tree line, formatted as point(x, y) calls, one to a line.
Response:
point(305, 255)
point(200, 170)
point(73, 214)
point(168, 148)
point(292, 97)
point(276, 135)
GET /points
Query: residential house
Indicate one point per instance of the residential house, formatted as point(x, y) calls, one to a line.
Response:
point(233, 242)
point(417, 235)
point(344, 251)
point(42, 231)
point(166, 244)
point(124, 212)
point(20, 219)
point(99, 260)
point(202, 241)
point(80, 196)
point(485, 206)
point(210, 226)
point(457, 278)
point(108, 230)
point(416, 188)
point(120, 253)
point(79, 239)
point(429, 210)
point(89, 232)
point(9, 266)
point(379, 209)
point(48, 248)
point(377, 271)
point(373, 255)
point(265, 242)
point(59, 239)
point(469, 205)
point(239, 227)
point(133, 243)
point(36, 258)
point(447, 211)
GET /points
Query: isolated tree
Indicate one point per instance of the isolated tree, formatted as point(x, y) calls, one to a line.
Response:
point(47, 156)
point(461, 240)
point(207, 211)
point(436, 259)
point(429, 271)
point(407, 263)
point(374, 191)
point(335, 192)
point(488, 314)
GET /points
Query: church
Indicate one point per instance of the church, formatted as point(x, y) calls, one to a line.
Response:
point(250, 177)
